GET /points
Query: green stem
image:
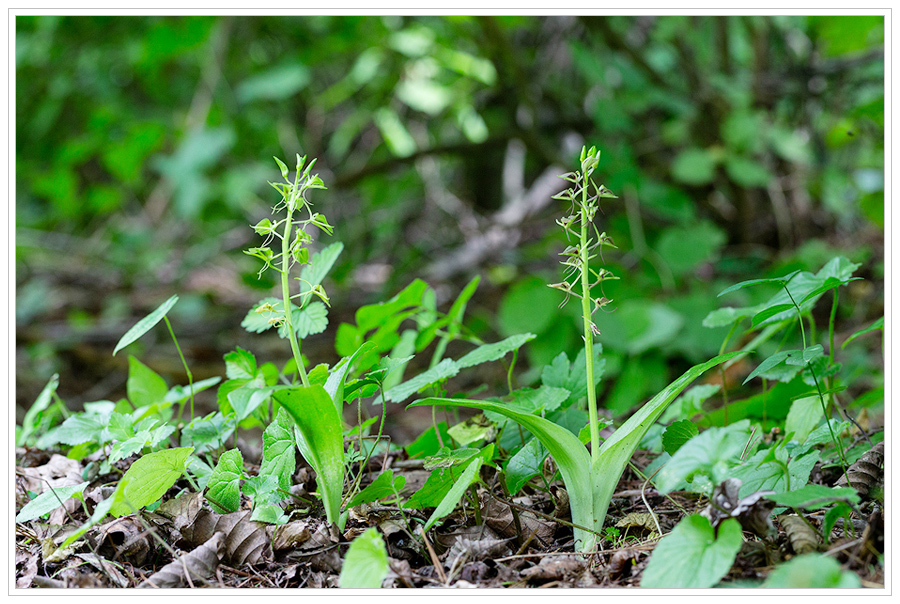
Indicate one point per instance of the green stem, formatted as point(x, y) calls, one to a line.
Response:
point(834, 305)
point(190, 377)
point(588, 332)
point(286, 295)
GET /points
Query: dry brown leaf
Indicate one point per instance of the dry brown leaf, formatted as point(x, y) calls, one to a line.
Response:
point(555, 568)
point(802, 537)
point(246, 541)
point(499, 517)
point(58, 472)
point(866, 473)
point(290, 535)
point(637, 520)
point(127, 538)
point(200, 563)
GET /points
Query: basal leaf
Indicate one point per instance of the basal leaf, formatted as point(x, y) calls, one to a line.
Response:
point(145, 324)
point(223, 488)
point(366, 563)
point(321, 440)
point(148, 479)
point(48, 501)
point(693, 555)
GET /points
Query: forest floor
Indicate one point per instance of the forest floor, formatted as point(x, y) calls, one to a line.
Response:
point(524, 543)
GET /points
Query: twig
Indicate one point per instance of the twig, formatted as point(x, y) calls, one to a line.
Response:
point(644, 499)
point(434, 559)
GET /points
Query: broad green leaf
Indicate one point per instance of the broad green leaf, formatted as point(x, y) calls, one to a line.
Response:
point(804, 416)
point(524, 465)
point(145, 324)
point(88, 426)
point(247, 399)
point(709, 454)
point(693, 555)
point(685, 247)
point(677, 434)
point(120, 427)
point(269, 513)
point(443, 370)
point(770, 363)
point(472, 430)
point(366, 563)
point(334, 385)
point(148, 479)
point(468, 476)
point(879, 324)
point(321, 442)
point(278, 450)
point(144, 386)
point(814, 497)
point(223, 489)
point(31, 420)
point(372, 316)
point(769, 312)
point(449, 458)
point(383, 486)
point(560, 374)
point(492, 352)
point(529, 306)
point(811, 571)
point(779, 281)
point(690, 403)
point(48, 501)
point(830, 283)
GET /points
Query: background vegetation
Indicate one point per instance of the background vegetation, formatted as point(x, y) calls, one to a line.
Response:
point(739, 147)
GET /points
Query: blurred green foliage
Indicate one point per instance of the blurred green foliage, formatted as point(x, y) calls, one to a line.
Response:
point(737, 146)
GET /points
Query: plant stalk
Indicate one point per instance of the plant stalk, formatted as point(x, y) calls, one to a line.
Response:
point(286, 294)
point(588, 332)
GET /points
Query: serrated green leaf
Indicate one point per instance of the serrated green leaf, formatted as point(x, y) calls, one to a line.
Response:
point(145, 324)
point(677, 434)
point(223, 489)
point(693, 555)
point(148, 479)
point(240, 364)
point(366, 563)
point(765, 471)
point(49, 500)
point(278, 450)
point(710, 454)
point(310, 320)
point(495, 351)
point(244, 400)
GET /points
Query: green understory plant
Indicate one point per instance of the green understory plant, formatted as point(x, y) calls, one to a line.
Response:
point(590, 478)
